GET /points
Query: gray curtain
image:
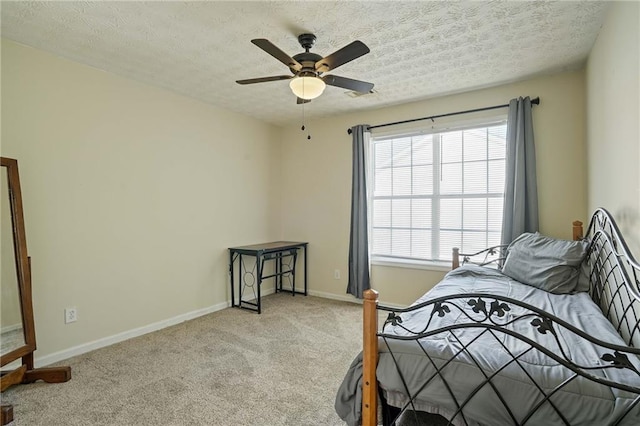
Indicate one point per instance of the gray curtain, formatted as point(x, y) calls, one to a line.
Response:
point(520, 212)
point(359, 241)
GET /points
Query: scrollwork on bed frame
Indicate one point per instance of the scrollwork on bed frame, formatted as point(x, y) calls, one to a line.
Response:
point(491, 256)
point(490, 316)
point(614, 286)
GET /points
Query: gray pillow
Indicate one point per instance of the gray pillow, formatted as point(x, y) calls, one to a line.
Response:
point(544, 262)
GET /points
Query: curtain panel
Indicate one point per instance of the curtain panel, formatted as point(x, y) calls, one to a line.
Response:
point(359, 240)
point(520, 213)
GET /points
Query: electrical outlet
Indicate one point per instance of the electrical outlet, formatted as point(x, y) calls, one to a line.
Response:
point(336, 274)
point(70, 315)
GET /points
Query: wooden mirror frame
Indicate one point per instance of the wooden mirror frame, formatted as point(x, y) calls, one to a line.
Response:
point(26, 373)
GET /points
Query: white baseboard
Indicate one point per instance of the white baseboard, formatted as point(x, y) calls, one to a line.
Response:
point(343, 298)
point(126, 335)
point(349, 298)
point(129, 334)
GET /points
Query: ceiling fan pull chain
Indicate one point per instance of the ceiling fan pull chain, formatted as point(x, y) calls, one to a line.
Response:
point(303, 126)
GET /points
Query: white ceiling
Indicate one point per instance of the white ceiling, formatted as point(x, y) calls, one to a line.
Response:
point(419, 49)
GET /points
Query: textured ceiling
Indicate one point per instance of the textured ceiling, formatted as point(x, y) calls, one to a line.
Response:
point(418, 49)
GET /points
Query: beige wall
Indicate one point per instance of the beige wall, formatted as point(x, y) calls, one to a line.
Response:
point(316, 177)
point(131, 195)
point(130, 206)
point(613, 119)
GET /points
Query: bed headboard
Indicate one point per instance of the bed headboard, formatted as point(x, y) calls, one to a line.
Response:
point(614, 276)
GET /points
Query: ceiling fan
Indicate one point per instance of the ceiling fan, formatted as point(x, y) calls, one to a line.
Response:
point(307, 68)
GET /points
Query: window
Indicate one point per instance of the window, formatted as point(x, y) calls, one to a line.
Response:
point(432, 192)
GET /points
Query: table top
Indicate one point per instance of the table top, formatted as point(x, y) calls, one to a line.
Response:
point(268, 247)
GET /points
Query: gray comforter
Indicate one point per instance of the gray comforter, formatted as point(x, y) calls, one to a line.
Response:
point(581, 401)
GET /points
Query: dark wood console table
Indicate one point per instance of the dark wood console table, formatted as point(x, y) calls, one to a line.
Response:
point(283, 253)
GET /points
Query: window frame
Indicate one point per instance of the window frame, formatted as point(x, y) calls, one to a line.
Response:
point(410, 131)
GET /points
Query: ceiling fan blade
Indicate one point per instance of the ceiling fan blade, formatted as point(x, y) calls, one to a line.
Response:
point(348, 83)
point(264, 79)
point(303, 101)
point(272, 50)
point(342, 56)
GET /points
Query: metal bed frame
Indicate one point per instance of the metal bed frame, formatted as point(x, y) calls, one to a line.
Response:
point(614, 286)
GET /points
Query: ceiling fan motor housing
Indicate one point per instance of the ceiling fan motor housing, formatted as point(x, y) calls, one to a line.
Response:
point(308, 61)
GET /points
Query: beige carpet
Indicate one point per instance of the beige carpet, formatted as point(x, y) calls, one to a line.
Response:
point(232, 367)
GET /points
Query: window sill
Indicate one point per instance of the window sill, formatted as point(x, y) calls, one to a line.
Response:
point(413, 264)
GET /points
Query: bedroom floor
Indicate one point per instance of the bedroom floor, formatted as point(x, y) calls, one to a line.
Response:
point(231, 367)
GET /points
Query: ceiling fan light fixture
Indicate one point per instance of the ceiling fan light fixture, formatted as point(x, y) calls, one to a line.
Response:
point(307, 87)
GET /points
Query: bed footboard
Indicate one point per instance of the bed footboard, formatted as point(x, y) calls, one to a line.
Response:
point(370, 359)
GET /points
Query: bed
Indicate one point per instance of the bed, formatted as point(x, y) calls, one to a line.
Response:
point(541, 332)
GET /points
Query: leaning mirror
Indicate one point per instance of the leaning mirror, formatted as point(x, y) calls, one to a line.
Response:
point(17, 330)
point(11, 330)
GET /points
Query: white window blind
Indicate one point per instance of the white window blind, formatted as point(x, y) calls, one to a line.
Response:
point(433, 192)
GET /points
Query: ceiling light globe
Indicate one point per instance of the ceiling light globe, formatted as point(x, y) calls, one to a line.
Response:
point(307, 87)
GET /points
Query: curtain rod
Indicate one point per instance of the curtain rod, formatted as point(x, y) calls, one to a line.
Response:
point(534, 101)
